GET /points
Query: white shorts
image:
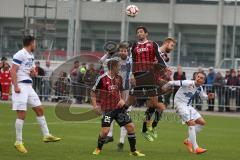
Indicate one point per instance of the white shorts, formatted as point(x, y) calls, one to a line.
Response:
point(187, 113)
point(26, 96)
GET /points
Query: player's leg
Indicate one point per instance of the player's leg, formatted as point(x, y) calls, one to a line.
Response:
point(19, 104)
point(19, 130)
point(101, 140)
point(157, 117)
point(154, 102)
point(200, 122)
point(109, 137)
point(194, 128)
point(106, 121)
point(147, 124)
point(123, 134)
point(124, 119)
point(35, 102)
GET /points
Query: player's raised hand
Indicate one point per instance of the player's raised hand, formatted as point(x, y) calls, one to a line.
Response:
point(17, 89)
point(211, 95)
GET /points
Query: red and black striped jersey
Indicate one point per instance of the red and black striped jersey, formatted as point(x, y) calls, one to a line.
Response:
point(110, 91)
point(145, 55)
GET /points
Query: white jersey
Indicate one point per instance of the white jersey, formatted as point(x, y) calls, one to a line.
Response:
point(25, 61)
point(187, 91)
point(125, 72)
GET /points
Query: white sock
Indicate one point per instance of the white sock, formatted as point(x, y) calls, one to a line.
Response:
point(123, 134)
point(43, 124)
point(198, 128)
point(19, 128)
point(110, 133)
point(192, 136)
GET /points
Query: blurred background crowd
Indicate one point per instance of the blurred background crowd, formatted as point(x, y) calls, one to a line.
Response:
point(78, 82)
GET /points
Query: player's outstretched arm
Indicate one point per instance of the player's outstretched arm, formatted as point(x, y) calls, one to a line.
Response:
point(170, 84)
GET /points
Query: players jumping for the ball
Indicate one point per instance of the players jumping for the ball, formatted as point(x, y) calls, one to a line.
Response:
point(188, 90)
point(23, 93)
point(145, 58)
point(149, 126)
point(112, 106)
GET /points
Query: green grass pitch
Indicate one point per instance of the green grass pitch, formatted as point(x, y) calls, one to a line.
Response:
point(221, 136)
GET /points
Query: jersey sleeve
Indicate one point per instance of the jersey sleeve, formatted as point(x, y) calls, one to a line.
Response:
point(185, 83)
point(158, 55)
point(17, 58)
point(203, 95)
point(97, 84)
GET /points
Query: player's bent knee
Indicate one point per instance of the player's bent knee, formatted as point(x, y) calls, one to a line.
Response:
point(104, 132)
point(191, 123)
point(21, 115)
point(38, 110)
point(130, 128)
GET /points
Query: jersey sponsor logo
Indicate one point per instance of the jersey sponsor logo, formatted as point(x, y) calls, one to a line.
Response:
point(139, 50)
point(112, 87)
point(29, 62)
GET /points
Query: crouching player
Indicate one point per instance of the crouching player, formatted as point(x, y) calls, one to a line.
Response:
point(112, 106)
point(183, 99)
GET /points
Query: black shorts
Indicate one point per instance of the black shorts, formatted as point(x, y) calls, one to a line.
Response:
point(120, 115)
point(147, 86)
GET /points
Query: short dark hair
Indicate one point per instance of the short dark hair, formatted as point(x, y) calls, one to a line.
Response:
point(143, 28)
point(27, 40)
point(111, 63)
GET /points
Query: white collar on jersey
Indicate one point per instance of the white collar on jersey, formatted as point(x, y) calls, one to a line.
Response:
point(27, 51)
point(109, 75)
point(143, 42)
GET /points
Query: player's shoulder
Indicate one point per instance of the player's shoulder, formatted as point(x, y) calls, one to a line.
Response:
point(19, 53)
point(102, 76)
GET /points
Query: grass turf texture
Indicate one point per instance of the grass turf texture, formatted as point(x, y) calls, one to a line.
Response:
point(220, 137)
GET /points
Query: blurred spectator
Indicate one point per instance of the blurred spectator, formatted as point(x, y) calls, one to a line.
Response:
point(179, 75)
point(231, 90)
point(218, 84)
point(5, 81)
point(238, 92)
point(3, 60)
point(46, 81)
point(210, 88)
point(227, 75)
point(81, 84)
point(38, 80)
point(62, 87)
point(89, 80)
point(74, 80)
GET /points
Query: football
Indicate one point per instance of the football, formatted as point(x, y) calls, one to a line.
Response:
point(132, 10)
